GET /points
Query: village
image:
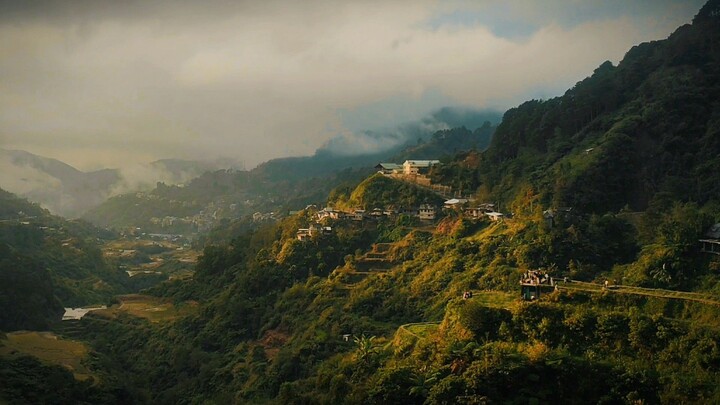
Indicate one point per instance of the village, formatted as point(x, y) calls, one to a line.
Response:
point(411, 171)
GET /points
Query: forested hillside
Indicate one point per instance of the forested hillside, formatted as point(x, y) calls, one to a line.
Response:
point(47, 262)
point(643, 133)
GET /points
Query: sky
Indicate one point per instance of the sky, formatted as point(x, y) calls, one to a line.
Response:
point(107, 83)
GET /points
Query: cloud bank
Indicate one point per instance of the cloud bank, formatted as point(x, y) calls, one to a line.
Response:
point(100, 83)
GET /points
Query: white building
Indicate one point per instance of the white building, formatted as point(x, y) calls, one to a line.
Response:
point(411, 167)
point(494, 216)
point(427, 212)
point(455, 202)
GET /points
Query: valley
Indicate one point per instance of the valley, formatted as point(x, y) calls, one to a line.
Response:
point(566, 255)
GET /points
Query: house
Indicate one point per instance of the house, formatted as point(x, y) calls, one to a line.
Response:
point(494, 216)
point(487, 207)
point(553, 215)
point(712, 242)
point(390, 212)
point(427, 212)
point(328, 212)
point(454, 203)
point(303, 234)
point(389, 168)
point(358, 215)
point(376, 213)
point(480, 210)
point(412, 167)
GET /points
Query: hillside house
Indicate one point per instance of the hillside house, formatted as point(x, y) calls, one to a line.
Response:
point(711, 243)
point(454, 203)
point(480, 210)
point(427, 212)
point(303, 234)
point(389, 168)
point(390, 212)
point(376, 213)
point(413, 167)
point(495, 216)
point(358, 215)
point(329, 213)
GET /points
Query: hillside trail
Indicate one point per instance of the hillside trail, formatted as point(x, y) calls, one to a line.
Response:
point(575, 285)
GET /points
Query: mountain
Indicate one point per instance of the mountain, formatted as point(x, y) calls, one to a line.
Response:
point(58, 186)
point(69, 192)
point(367, 148)
point(638, 134)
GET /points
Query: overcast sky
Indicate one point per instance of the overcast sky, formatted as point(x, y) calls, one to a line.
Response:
point(104, 83)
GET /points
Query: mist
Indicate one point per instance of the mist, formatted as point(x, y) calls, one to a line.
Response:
point(380, 140)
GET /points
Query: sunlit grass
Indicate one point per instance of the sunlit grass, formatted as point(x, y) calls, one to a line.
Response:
point(151, 308)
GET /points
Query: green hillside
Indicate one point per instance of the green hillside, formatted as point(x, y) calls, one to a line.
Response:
point(46, 263)
point(378, 191)
point(641, 133)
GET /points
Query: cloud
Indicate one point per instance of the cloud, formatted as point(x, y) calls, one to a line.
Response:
point(100, 82)
point(382, 139)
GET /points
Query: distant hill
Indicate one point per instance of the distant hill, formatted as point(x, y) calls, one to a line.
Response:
point(56, 185)
point(69, 192)
point(278, 185)
point(436, 135)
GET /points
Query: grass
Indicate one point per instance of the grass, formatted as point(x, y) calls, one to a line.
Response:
point(495, 299)
point(49, 349)
point(151, 308)
point(650, 292)
point(422, 330)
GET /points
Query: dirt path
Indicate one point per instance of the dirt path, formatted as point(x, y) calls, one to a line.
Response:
point(574, 285)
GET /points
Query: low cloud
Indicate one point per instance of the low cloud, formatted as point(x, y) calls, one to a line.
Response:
point(379, 140)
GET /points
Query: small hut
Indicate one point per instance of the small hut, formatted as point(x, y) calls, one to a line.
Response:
point(534, 283)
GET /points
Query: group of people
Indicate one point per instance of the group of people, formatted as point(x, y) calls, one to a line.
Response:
point(536, 277)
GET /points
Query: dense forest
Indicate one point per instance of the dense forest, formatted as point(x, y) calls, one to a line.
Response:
point(47, 262)
point(607, 190)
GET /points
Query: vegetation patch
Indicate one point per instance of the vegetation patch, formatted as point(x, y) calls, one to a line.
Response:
point(49, 349)
point(151, 308)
